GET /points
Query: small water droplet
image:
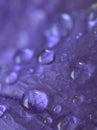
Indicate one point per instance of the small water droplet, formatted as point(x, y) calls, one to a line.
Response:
point(23, 56)
point(11, 78)
point(78, 99)
point(46, 57)
point(57, 109)
point(49, 120)
point(2, 110)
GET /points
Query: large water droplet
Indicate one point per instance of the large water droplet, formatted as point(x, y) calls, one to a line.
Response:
point(82, 71)
point(46, 57)
point(23, 56)
point(60, 28)
point(57, 109)
point(92, 15)
point(11, 78)
point(37, 99)
point(2, 110)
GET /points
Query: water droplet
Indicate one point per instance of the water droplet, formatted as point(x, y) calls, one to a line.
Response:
point(82, 71)
point(37, 99)
point(2, 110)
point(64, 24)
point(23, 56)
point(78, 99)
point(68, 122)
point(92, 15)
point(60, 28)
point(11, 78)
point(53, 36)
point(57, 109)
point(49, 120)
point(46, 57)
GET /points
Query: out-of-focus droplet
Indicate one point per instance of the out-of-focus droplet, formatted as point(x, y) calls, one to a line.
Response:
point(30, 71)
point(57, 109)
point(60, 28)
point(23, 39)
point(37, 17)
point(23, 56)
point(92, 15)
point(82, 71)
point(53, 36)
point(79, 35)
point(11, 78)
point(46, 57)
point(66, 24)
point(2, 110)
point(37, 99)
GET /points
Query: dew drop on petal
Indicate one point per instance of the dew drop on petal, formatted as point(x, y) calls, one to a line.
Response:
point(78, 99)
point(23, 56)
point(11, 78)
point(57, 109)
point(38, 99)
point(92, 15)
point(2, 110)
point(82, 71)
point(49, 120)
point(59, 28)
point(46, 57)
point(68, 122)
